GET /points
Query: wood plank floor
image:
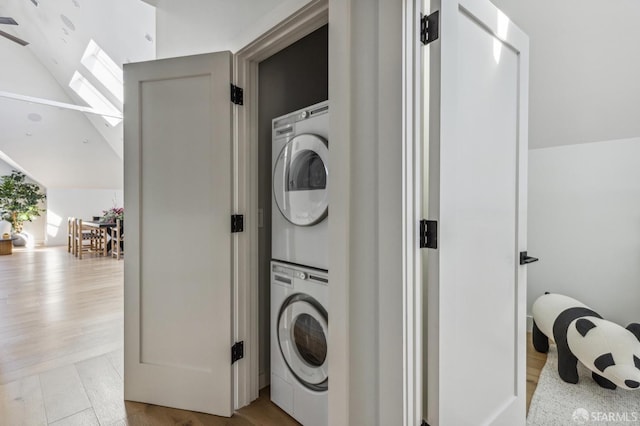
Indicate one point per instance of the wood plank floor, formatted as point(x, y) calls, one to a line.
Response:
point(535, 362)
point(61, 333)
point(61, 359)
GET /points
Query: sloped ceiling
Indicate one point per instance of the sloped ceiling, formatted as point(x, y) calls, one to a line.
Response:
point(57, 147)
point(584, 69)
point(49, 143)
point(63, 148)
point(188, 27)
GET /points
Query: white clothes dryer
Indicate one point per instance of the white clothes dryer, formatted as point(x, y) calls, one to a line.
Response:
point(299, 327)
point(300, 205)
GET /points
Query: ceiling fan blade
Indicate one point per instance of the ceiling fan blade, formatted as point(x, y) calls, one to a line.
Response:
point(13, 38)
point(8, 21)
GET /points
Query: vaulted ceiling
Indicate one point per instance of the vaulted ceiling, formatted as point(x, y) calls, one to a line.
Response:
point(59, 147)
point(584, 67)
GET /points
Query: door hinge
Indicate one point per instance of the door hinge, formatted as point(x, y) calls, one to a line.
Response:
point(237, 223)
point(429, 234)
point(237, 351)
point(237, 95)
point(429, 27)
point(424, 423)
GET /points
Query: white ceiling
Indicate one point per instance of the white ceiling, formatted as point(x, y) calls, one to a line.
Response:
point(66, 148)
point(188, 27)
point(584, 69)
point(70, 149)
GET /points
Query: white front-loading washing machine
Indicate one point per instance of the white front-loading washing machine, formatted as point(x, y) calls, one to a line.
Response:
point(300, 160)
point(299, 327)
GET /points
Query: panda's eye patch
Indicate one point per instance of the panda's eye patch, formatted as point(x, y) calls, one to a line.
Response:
point(604, 361)
point(584, 325)
point(636, 361)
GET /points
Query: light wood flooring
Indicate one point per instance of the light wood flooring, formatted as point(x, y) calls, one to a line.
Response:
point(61, 337)
point(535, 362)
point(61, 333)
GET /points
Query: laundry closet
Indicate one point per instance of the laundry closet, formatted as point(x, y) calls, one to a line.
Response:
point(293, 252)
point(200, 324)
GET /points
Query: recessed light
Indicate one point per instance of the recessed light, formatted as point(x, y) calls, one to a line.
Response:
point(34, 116)
point(148, 37)
point(67, 22)
point(85, 141)
point(28, 133)
point(35, 2)
point(76, 3)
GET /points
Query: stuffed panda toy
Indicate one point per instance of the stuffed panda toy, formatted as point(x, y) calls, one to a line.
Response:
point(611, 352)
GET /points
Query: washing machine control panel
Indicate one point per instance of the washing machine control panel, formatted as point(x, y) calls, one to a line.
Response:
point(290, 272)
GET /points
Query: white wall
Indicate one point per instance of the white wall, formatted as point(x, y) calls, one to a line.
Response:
point(584, 224)
point(365, 223)
point(190, 27)
point(81, 203)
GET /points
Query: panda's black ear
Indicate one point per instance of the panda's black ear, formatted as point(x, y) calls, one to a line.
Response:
point(635, 329)
point(583, 326)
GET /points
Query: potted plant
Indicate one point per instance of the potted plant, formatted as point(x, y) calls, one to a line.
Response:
point(19, 200)
point(110, 216)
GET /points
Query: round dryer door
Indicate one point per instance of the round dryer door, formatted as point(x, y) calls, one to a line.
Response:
point(302, 337)
point(300, 180)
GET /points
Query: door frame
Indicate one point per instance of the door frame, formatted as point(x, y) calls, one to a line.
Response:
point(414, 168)
point(245, 161)
point(340, 14)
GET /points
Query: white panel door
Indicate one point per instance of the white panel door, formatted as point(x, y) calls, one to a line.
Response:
point(477, 193)
point(178, 256)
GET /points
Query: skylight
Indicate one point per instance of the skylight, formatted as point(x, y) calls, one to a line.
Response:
point(104, 69)
point(94, 98)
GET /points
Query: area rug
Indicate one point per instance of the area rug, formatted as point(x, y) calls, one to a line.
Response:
point(558, 403)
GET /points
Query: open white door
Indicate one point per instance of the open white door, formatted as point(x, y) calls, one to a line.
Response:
point(178, 178)
point(477, 193)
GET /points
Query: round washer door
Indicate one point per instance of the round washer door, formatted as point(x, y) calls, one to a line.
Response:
point(300, 180)
point(302, 337)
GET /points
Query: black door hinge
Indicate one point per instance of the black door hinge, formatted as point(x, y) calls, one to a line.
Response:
point(428, 234)
point(424, 423)
point(429, 27)
point(237, 351)
point(237, 95)
point(237, 223)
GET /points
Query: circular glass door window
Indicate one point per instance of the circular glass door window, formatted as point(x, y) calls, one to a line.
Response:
point(300, 180)
point(302, 337)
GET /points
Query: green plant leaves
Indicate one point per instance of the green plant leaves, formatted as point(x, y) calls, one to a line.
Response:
point(19, 199)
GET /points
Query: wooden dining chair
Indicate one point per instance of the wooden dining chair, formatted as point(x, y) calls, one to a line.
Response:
point(88, 239)
point(71, 236)
point(117, 240)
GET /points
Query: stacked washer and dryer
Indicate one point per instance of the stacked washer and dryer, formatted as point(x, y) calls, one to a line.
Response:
point(299, 267)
